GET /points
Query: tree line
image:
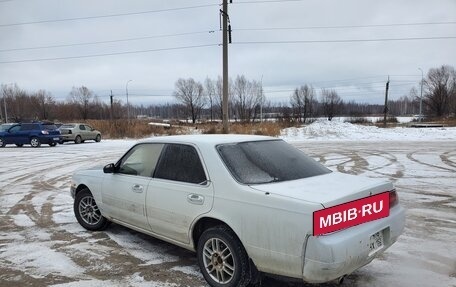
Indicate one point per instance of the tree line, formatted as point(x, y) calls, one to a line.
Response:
point(247, 102)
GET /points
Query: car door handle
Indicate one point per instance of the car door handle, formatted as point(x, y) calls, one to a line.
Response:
point(137, 188)
point(195, 199)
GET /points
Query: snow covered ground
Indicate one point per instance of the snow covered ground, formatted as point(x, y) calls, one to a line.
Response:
point(41, 244)
point(323, 130)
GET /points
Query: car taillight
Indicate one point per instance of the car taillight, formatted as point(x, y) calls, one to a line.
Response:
point(45, 132)
point(393, 198)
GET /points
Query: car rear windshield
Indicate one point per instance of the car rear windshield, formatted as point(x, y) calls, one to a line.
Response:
point(49, 127)
point(268, 161)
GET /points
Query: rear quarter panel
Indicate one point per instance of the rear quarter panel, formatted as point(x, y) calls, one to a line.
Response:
point(273, 229)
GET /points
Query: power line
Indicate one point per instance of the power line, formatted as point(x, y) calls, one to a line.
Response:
point(108, 54)
point(345, 41)
point(109, 15)
point(265, 1)
point(345, 26)
point(106, 42)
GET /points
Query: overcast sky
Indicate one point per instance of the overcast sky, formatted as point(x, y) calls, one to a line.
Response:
point(181, 43)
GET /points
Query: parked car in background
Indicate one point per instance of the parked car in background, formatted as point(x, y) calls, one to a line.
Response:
point(79, 133)
point(34, 134)
point(244, 204)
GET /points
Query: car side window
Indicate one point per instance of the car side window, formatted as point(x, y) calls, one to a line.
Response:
point(141, 160)
point(82, 127)
point(29, 127)
point(180, 163)
point(14, 129)
point(89, 128)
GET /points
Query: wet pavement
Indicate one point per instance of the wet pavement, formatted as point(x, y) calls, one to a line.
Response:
point(41, 244)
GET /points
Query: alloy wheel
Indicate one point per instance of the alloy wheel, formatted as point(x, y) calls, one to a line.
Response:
point(89, 211)
point(218, 260)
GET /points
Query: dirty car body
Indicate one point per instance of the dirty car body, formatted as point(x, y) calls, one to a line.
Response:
point(243, 203)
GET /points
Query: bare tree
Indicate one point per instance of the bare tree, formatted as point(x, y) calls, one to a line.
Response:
point(331, 103)
point(440, 85)
point(45, 101)
point(247, 96)
point(190, 93)
point(81, 97)
point(211, 94)
point(302, 101)
point(18, 103)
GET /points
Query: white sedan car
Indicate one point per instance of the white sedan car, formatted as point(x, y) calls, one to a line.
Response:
point(246, 204)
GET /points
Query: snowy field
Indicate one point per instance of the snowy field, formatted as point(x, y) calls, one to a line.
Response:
point(41, 244)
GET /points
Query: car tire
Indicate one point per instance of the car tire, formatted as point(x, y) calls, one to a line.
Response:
point(35, 142)
point(19, 145)
point(78, 140)
point(222, 258)
point(98, 138)
point(2, 143)
point(87, 212)
point(52, 144)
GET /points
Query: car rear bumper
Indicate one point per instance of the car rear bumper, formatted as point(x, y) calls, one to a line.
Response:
point(47, 139)
point(67, 137)
point(332, 256)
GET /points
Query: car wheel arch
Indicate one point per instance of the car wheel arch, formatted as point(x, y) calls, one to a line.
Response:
point(79, 188)
point(205, 223)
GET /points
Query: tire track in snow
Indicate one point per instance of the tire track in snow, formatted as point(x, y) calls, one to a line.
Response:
point(411, 156)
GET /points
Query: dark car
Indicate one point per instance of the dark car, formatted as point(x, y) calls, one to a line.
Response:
point(34, 134)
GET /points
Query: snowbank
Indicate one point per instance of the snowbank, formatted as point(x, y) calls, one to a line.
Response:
point(323, 130)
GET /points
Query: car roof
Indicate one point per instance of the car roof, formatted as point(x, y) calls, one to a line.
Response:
point(36, 123)
point(208, 139)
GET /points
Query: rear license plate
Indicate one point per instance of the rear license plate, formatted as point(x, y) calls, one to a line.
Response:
point(376, 243)
point(56, 139)
point(352, 213)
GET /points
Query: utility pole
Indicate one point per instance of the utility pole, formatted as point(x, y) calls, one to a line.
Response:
point(4, 104)
point(112, 111)
point(421, 95)
point(262, 99)
point(226, 34)
point(385, 111)
point(128, 105)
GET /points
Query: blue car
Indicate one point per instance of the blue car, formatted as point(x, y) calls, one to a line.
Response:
point(34, 134)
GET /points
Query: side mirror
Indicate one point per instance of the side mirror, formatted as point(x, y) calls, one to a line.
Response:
point(109, 168)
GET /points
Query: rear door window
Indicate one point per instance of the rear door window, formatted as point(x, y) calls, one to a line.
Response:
point(182, 163)
point(29, 127)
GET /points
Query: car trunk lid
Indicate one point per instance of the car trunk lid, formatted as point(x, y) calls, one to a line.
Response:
point(328, 190)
